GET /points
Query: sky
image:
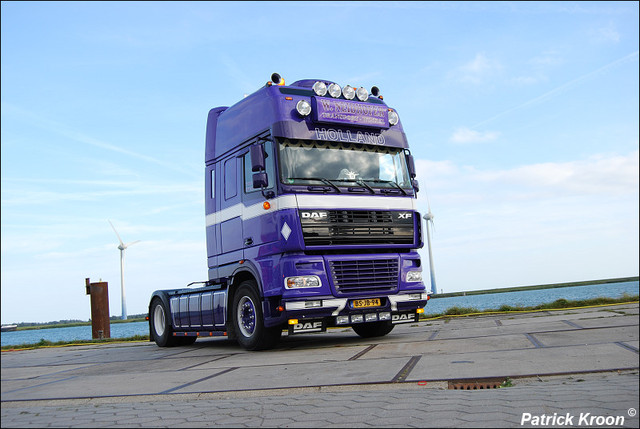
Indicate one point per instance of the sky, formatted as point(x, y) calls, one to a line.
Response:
point(522, 118)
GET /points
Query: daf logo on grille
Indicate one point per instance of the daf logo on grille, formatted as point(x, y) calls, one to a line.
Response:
point(404, 215)
point(313, 215)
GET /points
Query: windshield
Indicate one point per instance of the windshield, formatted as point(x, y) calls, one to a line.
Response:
point(305, 161)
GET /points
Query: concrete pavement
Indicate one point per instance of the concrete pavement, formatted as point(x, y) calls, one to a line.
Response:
point(577, 366)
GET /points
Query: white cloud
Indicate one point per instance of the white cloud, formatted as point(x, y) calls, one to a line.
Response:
point(526, 80)
point(466, 135)
point(608, 33)
point(80, 137)
point(562, 89)
point(478, 70)
point(533, 224)
point(596, 175)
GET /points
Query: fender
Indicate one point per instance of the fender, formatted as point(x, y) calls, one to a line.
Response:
point(248, 267)
point(164, 297)
point(272, 317)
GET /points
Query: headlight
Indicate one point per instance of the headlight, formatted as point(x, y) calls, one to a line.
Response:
point(303, 107)
point(320, 88)
point(348, 92)
point(393, 117)
point(298, 282)
point(335, 90)
point(362, 94)
point(414, 276)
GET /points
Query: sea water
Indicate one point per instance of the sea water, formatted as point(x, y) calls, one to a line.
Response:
point(435, 306)
point(530, 298)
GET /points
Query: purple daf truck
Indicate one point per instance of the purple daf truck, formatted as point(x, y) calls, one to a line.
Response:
point(311, 221)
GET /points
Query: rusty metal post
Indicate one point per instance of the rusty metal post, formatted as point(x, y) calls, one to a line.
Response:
point(100, 325)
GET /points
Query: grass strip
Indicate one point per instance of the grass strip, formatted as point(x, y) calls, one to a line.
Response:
point(46, 343)
point(558, 304)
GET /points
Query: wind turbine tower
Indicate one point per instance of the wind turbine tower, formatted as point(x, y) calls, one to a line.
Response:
point(429, 218)
point(122, 248)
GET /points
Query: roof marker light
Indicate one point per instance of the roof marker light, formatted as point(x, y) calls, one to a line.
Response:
point(349, 92)
point(362, 94)
point(320, 88)
point(335, 90)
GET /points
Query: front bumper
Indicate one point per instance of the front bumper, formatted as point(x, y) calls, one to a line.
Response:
point(313, 315)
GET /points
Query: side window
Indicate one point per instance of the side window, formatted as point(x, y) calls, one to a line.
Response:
point(230, 177)
point(248, 174)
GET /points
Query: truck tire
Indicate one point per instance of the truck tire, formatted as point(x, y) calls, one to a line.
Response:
point(161, 330)
point(374, 329)
point(248, 321)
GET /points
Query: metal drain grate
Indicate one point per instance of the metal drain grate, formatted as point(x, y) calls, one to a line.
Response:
point(476, 384)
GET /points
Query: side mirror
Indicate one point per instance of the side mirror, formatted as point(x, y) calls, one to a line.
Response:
point(412, 166)
point(416, 186)
point(260, 180)
point(257, 158)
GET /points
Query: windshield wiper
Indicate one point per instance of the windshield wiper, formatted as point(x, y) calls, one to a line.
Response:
point(387, 181)
point(359, 182)
point(319, 179)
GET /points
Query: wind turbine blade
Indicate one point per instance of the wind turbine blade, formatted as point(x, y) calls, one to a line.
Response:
point(114, 230)
point(129, 244)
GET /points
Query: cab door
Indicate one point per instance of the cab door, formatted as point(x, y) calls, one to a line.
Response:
point(260, 223)
point(230, 214)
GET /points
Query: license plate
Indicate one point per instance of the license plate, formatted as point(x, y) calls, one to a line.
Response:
point(363, 303)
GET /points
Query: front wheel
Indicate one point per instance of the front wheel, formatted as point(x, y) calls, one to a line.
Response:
point(374, 329)
point(248, 320)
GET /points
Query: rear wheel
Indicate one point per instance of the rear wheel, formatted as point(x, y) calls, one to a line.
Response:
point(248, 321)
point(374, 329)
point(161, 328)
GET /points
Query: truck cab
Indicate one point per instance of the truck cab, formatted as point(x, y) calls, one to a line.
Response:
point(311, 221)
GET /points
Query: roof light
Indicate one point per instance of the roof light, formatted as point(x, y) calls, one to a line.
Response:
point(303, 107)
point(375, 91)
point(393, 117)
point(320, 88)
point(335, 90)
point(362, 94)
point(349, 92)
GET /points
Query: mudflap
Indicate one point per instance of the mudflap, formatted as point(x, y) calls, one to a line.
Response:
point(404, 317)
point(306, 326)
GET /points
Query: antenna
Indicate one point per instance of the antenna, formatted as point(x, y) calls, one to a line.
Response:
point(429, 218)
point(122, 248)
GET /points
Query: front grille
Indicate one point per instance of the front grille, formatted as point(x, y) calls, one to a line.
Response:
point(361, 276)
point(349, 227)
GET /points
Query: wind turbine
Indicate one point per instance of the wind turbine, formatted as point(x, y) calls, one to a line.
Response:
point(429, 218)
point(122, 248)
